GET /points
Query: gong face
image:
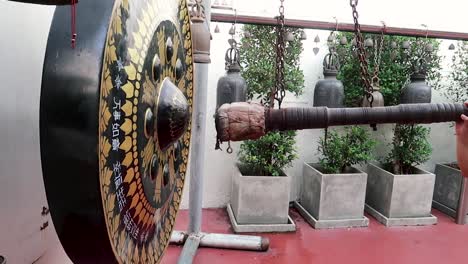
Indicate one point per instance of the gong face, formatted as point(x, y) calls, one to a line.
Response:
point(142, 172)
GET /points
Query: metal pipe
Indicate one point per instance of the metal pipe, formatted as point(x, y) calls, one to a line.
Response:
point(241, 242)
point(190, 249)
point(298, 23)
point(197, 159)
point(178, 237)
point(226, 241)
point(462, 210)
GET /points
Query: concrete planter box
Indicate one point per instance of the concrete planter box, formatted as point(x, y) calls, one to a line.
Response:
point(447, 189)
point(333, 200)
point(400, 200)
point(260, 203)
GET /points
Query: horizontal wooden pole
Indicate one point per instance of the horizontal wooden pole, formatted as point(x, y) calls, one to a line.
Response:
point(297, 23)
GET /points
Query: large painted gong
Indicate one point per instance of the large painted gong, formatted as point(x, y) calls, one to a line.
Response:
point(115, 127)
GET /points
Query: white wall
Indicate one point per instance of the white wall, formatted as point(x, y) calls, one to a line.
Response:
point(24, 30)
point(219, 164)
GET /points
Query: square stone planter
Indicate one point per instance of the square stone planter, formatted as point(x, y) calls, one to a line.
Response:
point(333, 200)
point(447, 189)
point(260, 203)
point(400, 200)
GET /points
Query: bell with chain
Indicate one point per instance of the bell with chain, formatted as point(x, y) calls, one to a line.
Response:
point(232, 30)
point(201, 36)
point(377, 98)
point(417, 91)
point(303, 35)
point(329, 92)
point(288, 36)
point(343, 40)
point(231, 87)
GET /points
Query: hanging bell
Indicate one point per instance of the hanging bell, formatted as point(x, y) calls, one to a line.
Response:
point(452, 46)
point(247, 34)
point(316, 39)
point(316, 50)
point(354, 42)
point(329, 92)
point(393, 45)
point(201, 36)
point(429, 47)
point(288, 36)
point(417, 91)
point(368, 43)
point(303, 35)
point(406, 44)
point(343, 40)
point(393, 55)
point(216, 30)
point(231, 87)
point(377, 101)
point(232, 30)
point(331, 38)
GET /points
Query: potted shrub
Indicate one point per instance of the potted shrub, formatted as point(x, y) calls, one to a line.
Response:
point(399, 193)
point(260, 187)
point(448, 175)
point(333, 191)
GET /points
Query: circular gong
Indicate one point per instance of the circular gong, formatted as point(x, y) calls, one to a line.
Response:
point(115, 127)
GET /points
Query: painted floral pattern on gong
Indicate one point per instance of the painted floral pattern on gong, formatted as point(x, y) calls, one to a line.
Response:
point(140, 210)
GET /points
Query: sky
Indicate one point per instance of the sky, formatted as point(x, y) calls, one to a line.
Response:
point(447, 15)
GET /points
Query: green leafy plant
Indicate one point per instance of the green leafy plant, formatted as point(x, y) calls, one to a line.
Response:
point(339, 152)
point(396, 67)
point(410, 145)
point(457, 81)
point(269, 155)
point(275, 151)
point(258, 60)
point(410, 148)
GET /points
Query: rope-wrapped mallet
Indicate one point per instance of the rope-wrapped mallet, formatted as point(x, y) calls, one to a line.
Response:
point(242, 121)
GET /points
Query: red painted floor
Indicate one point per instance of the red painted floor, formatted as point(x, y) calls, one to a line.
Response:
point(443, 243)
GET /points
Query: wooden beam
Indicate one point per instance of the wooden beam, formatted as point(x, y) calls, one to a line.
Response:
point(297, 23)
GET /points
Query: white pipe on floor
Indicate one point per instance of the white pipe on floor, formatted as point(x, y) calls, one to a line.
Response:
point(240, 242)
point(226, 241)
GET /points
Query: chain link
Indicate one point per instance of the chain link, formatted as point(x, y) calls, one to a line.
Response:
point(378, 57)
point(362, 55)
point(279, 89)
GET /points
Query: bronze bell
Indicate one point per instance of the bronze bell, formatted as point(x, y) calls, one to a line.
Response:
point(329, 92)
point(201, 36)
point(417, 91)
point(231, 87)
point(377, 101)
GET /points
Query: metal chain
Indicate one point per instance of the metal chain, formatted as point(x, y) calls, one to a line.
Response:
point(362, 54)
point(378, 57)
point(279, 89)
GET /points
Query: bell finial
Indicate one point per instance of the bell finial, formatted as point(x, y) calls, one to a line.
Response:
point(232, 58)
point(331, 63)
